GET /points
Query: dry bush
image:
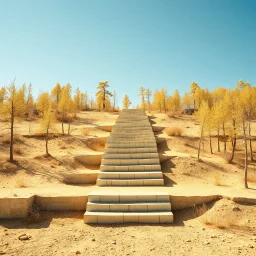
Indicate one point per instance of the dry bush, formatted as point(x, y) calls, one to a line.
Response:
point(34, 214)
point(174, 114)
point(63, 147)
point(6, 139)
point(174, 131)
point(220, 219)
point(18, 150)
point(21, 182)
point(97, 144)
point(227, 157)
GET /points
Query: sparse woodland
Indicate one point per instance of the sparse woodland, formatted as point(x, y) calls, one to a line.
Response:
point(225, 115)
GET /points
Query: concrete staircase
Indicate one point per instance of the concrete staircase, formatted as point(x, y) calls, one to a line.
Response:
point(131, 157)
point(128, 208)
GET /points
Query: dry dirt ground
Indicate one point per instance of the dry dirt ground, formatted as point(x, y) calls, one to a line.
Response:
point(66, 234)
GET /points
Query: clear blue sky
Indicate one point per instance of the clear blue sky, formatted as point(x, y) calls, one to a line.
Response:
point(130, 43)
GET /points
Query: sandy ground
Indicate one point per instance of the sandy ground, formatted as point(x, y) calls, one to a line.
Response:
point(65, 234)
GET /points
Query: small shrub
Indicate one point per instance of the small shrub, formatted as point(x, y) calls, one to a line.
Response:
point(17, 150)
point(34, 214)
point(174, 131)
point(96, 144)
point(6, 139)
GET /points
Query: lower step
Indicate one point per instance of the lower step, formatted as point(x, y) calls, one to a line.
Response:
point(127, 217)
point(130, 175)
point(130, 182)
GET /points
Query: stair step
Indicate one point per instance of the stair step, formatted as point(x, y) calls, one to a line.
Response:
point(130, 182)
point(130, 150)
point(131, 145)
point(130, 156)
point(146, 161)
point(130, 217)
point(130, 168)
point(130, 175)
point(129, 207)
point(122, 197)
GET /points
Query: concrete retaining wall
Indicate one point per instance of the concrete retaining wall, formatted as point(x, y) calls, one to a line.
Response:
point(82, 178)
point(15, 207)
point(62, 203)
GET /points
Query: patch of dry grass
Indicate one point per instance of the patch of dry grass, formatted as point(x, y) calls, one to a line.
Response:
point(174, 131)
point(34, 214)
point(220, 219)
point(96, 144)
point(18, 150)
point(6, 139)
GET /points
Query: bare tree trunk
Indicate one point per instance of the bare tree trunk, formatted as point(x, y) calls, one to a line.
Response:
point(69, 129)
point(234, 141)
point(224, 135)
point(29, 127)
point(199, 146)
point(245, 156)
point(218, 140)
point(250, 142)
point(210, 142)
point(46, 141)
point(11, 140)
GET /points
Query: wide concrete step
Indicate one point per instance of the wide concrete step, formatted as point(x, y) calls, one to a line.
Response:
point(130, 168)
point(130, 156)
point(147, 161)
point(134, 134)
point(130, 182)
point(129, 207)
point(121, 197)
point(130, 140)
point(130, 150)
point(128, 217)
point(131, 145)
point(130, 175)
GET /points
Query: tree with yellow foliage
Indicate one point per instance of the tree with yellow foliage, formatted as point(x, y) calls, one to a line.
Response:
point(203, 116)
point(65, 105)
point(157, 101)
point(103, 95)
point(126, 102)
point(43, 102)
point(142, 96)
point(12, 107)
point(2, 94)
point(176, 100)
point(56, 93)
point(47, 124)
point(148, 94)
